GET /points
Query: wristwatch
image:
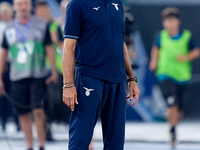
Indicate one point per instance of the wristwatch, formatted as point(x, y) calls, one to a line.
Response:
point(132, 79)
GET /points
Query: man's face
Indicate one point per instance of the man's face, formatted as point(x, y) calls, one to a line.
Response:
point(43, 12)
point(6, 15)
point(22, 7)
point(171, 23)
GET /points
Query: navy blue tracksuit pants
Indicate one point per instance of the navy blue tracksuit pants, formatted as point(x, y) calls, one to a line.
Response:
point(97, 99)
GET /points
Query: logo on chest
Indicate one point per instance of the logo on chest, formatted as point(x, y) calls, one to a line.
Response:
point(116, 6)
point(96, 8)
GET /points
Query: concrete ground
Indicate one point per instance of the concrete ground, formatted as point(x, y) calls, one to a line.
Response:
point(139, 136)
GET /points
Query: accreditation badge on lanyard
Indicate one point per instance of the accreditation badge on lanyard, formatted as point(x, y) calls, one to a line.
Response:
point(22, 56)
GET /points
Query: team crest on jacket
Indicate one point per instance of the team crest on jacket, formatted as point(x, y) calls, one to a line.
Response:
point(87, 92)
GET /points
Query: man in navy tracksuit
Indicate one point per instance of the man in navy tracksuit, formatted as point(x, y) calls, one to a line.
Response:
point(94, 41)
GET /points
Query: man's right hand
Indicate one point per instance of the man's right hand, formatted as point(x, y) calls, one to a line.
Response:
point(70, 97)
point(2, 89)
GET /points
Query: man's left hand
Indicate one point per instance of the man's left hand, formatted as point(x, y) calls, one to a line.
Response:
point(134, 92)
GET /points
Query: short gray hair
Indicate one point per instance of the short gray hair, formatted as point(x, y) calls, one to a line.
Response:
point(6, 6)
point(16, 0)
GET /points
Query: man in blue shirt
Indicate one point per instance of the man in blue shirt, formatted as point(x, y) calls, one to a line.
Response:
point(94, 41)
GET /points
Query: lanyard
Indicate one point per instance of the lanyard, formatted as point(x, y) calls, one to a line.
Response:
point(22, 35)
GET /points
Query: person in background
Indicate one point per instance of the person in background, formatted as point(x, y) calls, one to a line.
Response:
point(27, 40)
point(54, 91)
point(43, 11)
point(6, 12)
point(171, 57)
point(6, 15)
